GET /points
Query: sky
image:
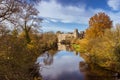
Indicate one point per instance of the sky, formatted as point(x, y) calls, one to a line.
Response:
point(67, 15)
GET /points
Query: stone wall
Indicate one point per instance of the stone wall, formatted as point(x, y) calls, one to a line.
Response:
point(71, 35)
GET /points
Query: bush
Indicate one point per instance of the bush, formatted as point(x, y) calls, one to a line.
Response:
point(17, 57)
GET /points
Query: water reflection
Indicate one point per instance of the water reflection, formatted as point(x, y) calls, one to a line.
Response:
point(64, 47)
point(96, 72)
point(65, 66)
point(47, 58)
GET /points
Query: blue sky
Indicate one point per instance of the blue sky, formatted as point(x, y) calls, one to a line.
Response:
point(67, 15)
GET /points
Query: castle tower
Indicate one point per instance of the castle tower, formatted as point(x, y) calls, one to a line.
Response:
point(76, 33)
point(81, 34)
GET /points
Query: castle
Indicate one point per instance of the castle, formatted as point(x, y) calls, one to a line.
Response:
point(70, 35)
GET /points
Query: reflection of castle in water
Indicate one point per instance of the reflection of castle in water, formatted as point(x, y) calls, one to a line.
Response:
point(64, 47)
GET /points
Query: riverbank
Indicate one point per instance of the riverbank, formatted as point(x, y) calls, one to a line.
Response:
point(103, 49)
point(95, 68)
point(18, 58)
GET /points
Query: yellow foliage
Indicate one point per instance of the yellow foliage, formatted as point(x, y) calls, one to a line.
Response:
point(21, 35)
point(83, 43)
point(104, 50)
point(97, 25)
point(30, 46)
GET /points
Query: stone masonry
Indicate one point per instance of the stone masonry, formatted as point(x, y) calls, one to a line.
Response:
point(71, 35)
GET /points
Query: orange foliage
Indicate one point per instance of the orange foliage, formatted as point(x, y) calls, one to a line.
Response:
point(98, 24)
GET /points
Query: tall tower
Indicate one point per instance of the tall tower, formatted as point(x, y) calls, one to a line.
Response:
point(76, 33)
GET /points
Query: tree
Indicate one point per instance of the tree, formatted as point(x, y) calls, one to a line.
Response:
point(10, 7)
point(21, 13)
point(3, 30)
point(27, 19)
point(7, 8)
point(58, 32)
point(98, 24)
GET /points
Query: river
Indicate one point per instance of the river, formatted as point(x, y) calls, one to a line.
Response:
point(66, 64)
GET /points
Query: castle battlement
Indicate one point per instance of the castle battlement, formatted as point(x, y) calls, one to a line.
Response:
point(70, 35)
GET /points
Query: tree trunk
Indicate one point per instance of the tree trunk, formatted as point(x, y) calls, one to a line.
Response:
point(27, 36)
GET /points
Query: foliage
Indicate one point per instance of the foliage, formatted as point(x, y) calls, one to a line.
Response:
point(17, 57)
point(21, 14)
point(97, 25)
point(76, 47)
point(103, 51)
point(50, 38)
point(8, 8)
point(20, 47)
point(27, 19)
point(81, 45)
point(101, 45)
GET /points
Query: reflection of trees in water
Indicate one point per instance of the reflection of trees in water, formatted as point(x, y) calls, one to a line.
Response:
point(69, 76)
point(94, 72)
point(34, 72)
point(83, 66)
point(91, 71)
point(45, 59)
point(48, 58)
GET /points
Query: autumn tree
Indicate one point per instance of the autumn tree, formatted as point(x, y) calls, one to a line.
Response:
point(21, 13)
point(27, 19)
point(98, 24)
point(10, 7)
point(3, 30)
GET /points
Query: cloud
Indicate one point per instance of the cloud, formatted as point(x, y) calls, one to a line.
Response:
point(115, 17)
point(54, 20)
point(45, 21)
point(66, 14)
point(54, 12)
point(114, 4)
point(56, 28)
